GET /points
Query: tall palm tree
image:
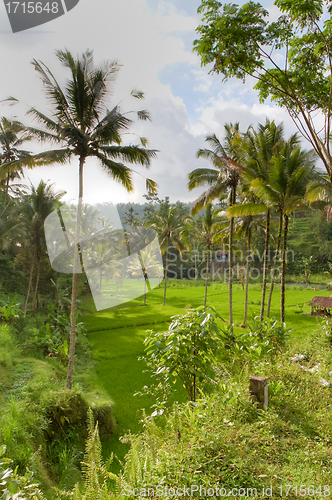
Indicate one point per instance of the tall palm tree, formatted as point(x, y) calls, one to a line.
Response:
point(258, 148)
point(34, 207)
point(12, 135)
point(247, 221)
point(168, 222)
point(210, 233)
point(293, 170)
point(10, 226)
point(223, 177)
point(82, 126)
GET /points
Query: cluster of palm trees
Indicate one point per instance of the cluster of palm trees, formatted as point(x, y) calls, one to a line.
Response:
point(264, 178)
point(262, 173)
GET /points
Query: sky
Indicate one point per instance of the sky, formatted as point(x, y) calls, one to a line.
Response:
point(152, 40)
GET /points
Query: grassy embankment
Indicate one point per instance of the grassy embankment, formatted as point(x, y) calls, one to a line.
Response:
point(117, 337)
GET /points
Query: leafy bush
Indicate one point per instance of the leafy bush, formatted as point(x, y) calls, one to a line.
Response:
point(9, 308)
point(16, 487)
point(188, 350)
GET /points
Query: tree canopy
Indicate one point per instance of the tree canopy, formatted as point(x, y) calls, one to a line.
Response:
point(289, 58)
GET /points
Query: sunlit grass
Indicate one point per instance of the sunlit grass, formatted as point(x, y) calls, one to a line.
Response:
point(117, 336)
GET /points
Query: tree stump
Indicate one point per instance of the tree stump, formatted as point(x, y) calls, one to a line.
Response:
point(258, 389)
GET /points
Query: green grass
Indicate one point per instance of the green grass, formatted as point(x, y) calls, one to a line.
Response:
point(117, 336)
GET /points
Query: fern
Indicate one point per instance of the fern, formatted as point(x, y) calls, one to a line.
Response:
point(95, 472)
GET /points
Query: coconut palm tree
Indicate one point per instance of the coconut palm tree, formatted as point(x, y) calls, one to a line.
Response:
point(83, 126)
point(12, 135)
point(34, 207)
point(247, 220)
point(168, 222)
point(223, 177)
point(211, 231)
point(146, 265)
point(257, 150)
point(293, 170)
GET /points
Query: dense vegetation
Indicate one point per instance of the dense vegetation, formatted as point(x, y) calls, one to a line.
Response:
point(264, 221)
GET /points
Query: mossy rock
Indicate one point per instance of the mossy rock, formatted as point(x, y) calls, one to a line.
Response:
point(67, 411)
point(103, 414)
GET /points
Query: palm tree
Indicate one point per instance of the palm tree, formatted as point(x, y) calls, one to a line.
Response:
point(34, 207)
point(83, 127)
point(210, 233)
point(12, 135)
point(168, 222)
point(192, 231)
point(147, 264)
point(223, 177)
point(293, 170)
point(258, 148)
point(246, 222)
point(10, 226)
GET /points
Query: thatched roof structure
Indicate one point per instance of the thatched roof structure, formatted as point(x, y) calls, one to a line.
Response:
point(321, 302)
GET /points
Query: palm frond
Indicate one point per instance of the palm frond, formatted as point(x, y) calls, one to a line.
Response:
point(202, 177)
point(246, 209)
point(131, 154)
point(151, 186)
point(117, 171)
point(138, 94)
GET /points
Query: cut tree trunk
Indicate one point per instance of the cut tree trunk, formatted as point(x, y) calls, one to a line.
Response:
point(75, 282)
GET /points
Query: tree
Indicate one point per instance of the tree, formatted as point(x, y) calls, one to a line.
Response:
point(147, 265)
point(257, 150)
point(188, 350)
point(34, 207)
point(223, 177)
point(168, 222)
point(208, 230)
point(12, 135)
point(293, 170)
point(241, 42)
point(244, 227)
point(83, 127)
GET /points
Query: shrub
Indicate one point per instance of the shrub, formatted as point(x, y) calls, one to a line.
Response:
point(188, 350)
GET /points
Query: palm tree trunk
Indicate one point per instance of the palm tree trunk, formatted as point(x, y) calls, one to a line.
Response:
point(266, 253)
point(283, 269)
point(6, 190)
point(244, 324)
point(36, 287)
point(275, 260)
point(32, 265)
point(230, 261)
point(145, 289)
point(166, 269)
point(207, 276)
point(75, 282)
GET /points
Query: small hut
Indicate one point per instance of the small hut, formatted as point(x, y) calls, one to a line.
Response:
point(321, 306)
